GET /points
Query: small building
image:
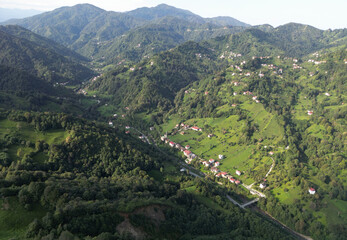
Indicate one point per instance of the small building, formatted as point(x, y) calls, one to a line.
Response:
point(232, 180)
point(110, 123)
point(206, 93)
point(327, 94)
point(151, 128)
point(127, 132)
point(254, 97)
point(187, 153)
point(127, 127)
point(271, 153)
point(163, 138)
point(187, 147)
point(224, 174)
point(237, 182)
point(196, 128)
point(218, 175)
point(238, 172)
point(216, 164)
point(210, 135)
point(262, 185)
point(220, 156)
point(310, 112)
point(172, 144)
point(211, 160)
point(206, 164)
point(215, 170)
point(182, 133)
point(312, 191)
point(235, 93)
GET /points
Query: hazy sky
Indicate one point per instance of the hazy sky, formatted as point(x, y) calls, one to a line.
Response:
point(323, 14)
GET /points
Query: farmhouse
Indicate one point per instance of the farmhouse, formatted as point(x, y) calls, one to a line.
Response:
point(238, 172)
point(172, 144)
point(237, 182)
point(218, 174)
point(224, 174)
point(310, 112)
point(312, 191)
point(216, 164)
point(206, 164)
point(196, 128)
point(232, 180)
point(187, 146)
point(187, 153)
point(215, 170)
point(220, 156)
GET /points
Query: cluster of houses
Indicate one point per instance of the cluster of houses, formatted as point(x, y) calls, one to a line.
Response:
point(316, 62)
point(213, 165)
point(295, 66)
point(190, 156)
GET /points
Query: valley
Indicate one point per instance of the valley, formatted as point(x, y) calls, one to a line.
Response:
point(160, 124)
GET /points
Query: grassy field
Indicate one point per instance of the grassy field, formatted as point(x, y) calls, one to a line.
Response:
point(14, 219)
point(27, 132)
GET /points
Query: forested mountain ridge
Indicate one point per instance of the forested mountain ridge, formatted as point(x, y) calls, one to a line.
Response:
point(41, 59)
point(154, 83)
point(86, 29)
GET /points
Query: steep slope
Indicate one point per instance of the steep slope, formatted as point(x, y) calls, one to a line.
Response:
point(62, 25)
point(38, 60)
point(153, 83)
point(294, 40)
point(23, 33)
point(12, 79)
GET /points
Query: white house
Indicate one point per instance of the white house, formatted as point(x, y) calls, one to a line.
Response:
point(312, 191)
point(238, 172)
point(220, 156)
point(262, 185)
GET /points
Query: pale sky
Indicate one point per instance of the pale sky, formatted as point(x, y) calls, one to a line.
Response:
point(322, 14)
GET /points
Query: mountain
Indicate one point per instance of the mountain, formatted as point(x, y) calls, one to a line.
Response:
point(42, 61)
point(23, 33)
point(154, 83)
point(63, 25)
point(227, 21)
point(295, 40)
point(152, 38)
point(7, 14)
point(12, 79)
point(87, 29)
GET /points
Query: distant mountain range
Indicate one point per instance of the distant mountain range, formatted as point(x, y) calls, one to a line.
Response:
point(7, 13)
point(92, 31)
